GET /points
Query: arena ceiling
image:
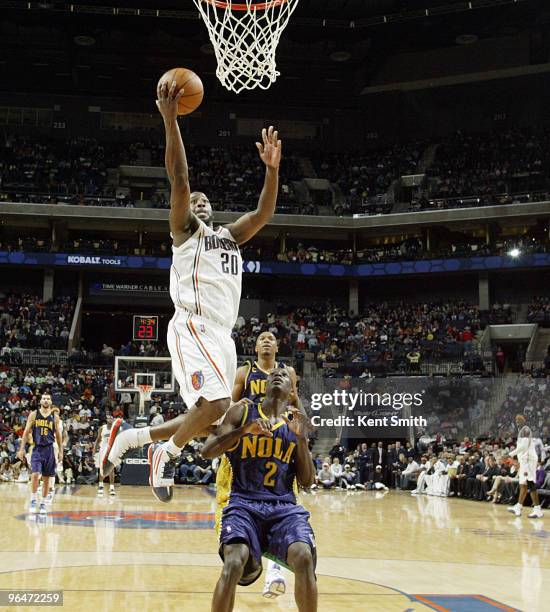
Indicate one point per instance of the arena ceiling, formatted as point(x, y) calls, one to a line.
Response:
point(103, 45)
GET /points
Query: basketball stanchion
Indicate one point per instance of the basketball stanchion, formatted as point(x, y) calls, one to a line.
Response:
point(144, 396)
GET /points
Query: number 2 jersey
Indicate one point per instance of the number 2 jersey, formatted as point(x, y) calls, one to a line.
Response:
point(263, 468)
point(206, 275)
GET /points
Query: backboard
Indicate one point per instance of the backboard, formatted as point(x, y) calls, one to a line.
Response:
point(133, 371)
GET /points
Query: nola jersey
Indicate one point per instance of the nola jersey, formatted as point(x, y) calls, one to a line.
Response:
point(206, 275)
point(263, 468)
point(43, 429)
point(256, 382)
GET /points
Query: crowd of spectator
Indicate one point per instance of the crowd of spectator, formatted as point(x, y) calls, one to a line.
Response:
point(481, 470)
point(530, 396)
point(361, 176)
point(84, 397)
point(383, 338)
point(410, 249)
point(539, 311)
point(72, 167)
point(468, 170)
point(28, 322)
point(490, 164)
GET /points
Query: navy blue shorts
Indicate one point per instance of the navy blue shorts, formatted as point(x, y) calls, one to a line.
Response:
point(43, 460)
point(268, 528)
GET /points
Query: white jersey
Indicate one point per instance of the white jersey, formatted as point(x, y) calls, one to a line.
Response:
point(104, 439)
point(206, 275)
point(525, 449)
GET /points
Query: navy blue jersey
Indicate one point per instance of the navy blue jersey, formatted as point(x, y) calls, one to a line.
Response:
point(43, 429)
point(263, 468)
point(256, 381)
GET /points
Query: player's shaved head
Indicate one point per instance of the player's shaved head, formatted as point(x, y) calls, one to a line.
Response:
point(278, 384)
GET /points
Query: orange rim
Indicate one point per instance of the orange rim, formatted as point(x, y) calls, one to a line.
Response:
point(260, 6)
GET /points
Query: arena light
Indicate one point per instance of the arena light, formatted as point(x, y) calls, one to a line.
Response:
point(514, 253)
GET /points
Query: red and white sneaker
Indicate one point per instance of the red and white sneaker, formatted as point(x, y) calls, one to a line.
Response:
point(162, 468)
point(119, 443)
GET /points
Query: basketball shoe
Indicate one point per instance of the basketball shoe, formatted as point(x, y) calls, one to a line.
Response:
point(43, 510)
point(537, 513)
point(33, 506)
point(275, 584)
point(162, 468)
point(516, 509)
point(120, 442)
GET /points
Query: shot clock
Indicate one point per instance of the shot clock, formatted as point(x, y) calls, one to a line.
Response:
point(146, 327)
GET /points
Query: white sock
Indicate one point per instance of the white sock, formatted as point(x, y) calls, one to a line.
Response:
point(144, 436)
point(537, 508)
point(173, 448)
point(111, 486)
point(34, 496)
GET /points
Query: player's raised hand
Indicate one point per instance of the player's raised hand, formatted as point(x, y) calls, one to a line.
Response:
point(167, 99)
point(259, 427)
point(271, 147)
point(297, 422)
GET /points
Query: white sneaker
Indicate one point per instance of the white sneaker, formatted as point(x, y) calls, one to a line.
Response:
point(537, 513)
point(415, 492)
point(49, 499)
point(275, 584)
point(112, 491)
point(100, 491)
point(33, 506)
point(119, 443)
point(515, 509)
point(43, 510)
point(162, 468)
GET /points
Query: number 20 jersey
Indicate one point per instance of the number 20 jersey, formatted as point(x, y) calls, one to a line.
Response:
point(206, 275)
point(263, 468)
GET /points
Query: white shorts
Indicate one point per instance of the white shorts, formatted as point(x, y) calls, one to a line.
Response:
point(529, 468)
point(204, 358)
point(98, 457)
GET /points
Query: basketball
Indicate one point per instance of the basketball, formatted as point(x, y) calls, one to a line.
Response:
point(193, 88)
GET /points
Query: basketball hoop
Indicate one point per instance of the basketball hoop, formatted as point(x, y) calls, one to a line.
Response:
point(144, 396)
point(245, 36)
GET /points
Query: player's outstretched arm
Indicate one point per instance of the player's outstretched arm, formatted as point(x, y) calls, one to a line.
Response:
point(251, 223)
point(182, 221)
point(26, 433)
point(232, 430)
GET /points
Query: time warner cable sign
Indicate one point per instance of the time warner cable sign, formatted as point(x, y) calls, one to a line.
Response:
point(398, 407)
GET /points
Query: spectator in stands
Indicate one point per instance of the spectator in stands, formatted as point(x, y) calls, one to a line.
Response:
point(325, 477)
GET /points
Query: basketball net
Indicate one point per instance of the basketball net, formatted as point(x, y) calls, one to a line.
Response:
point(144, 396)
point(245, 35)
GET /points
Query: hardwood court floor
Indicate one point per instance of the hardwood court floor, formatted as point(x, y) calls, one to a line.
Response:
point(376, 552)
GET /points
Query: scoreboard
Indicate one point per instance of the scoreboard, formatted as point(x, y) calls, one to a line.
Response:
point(146, 327)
